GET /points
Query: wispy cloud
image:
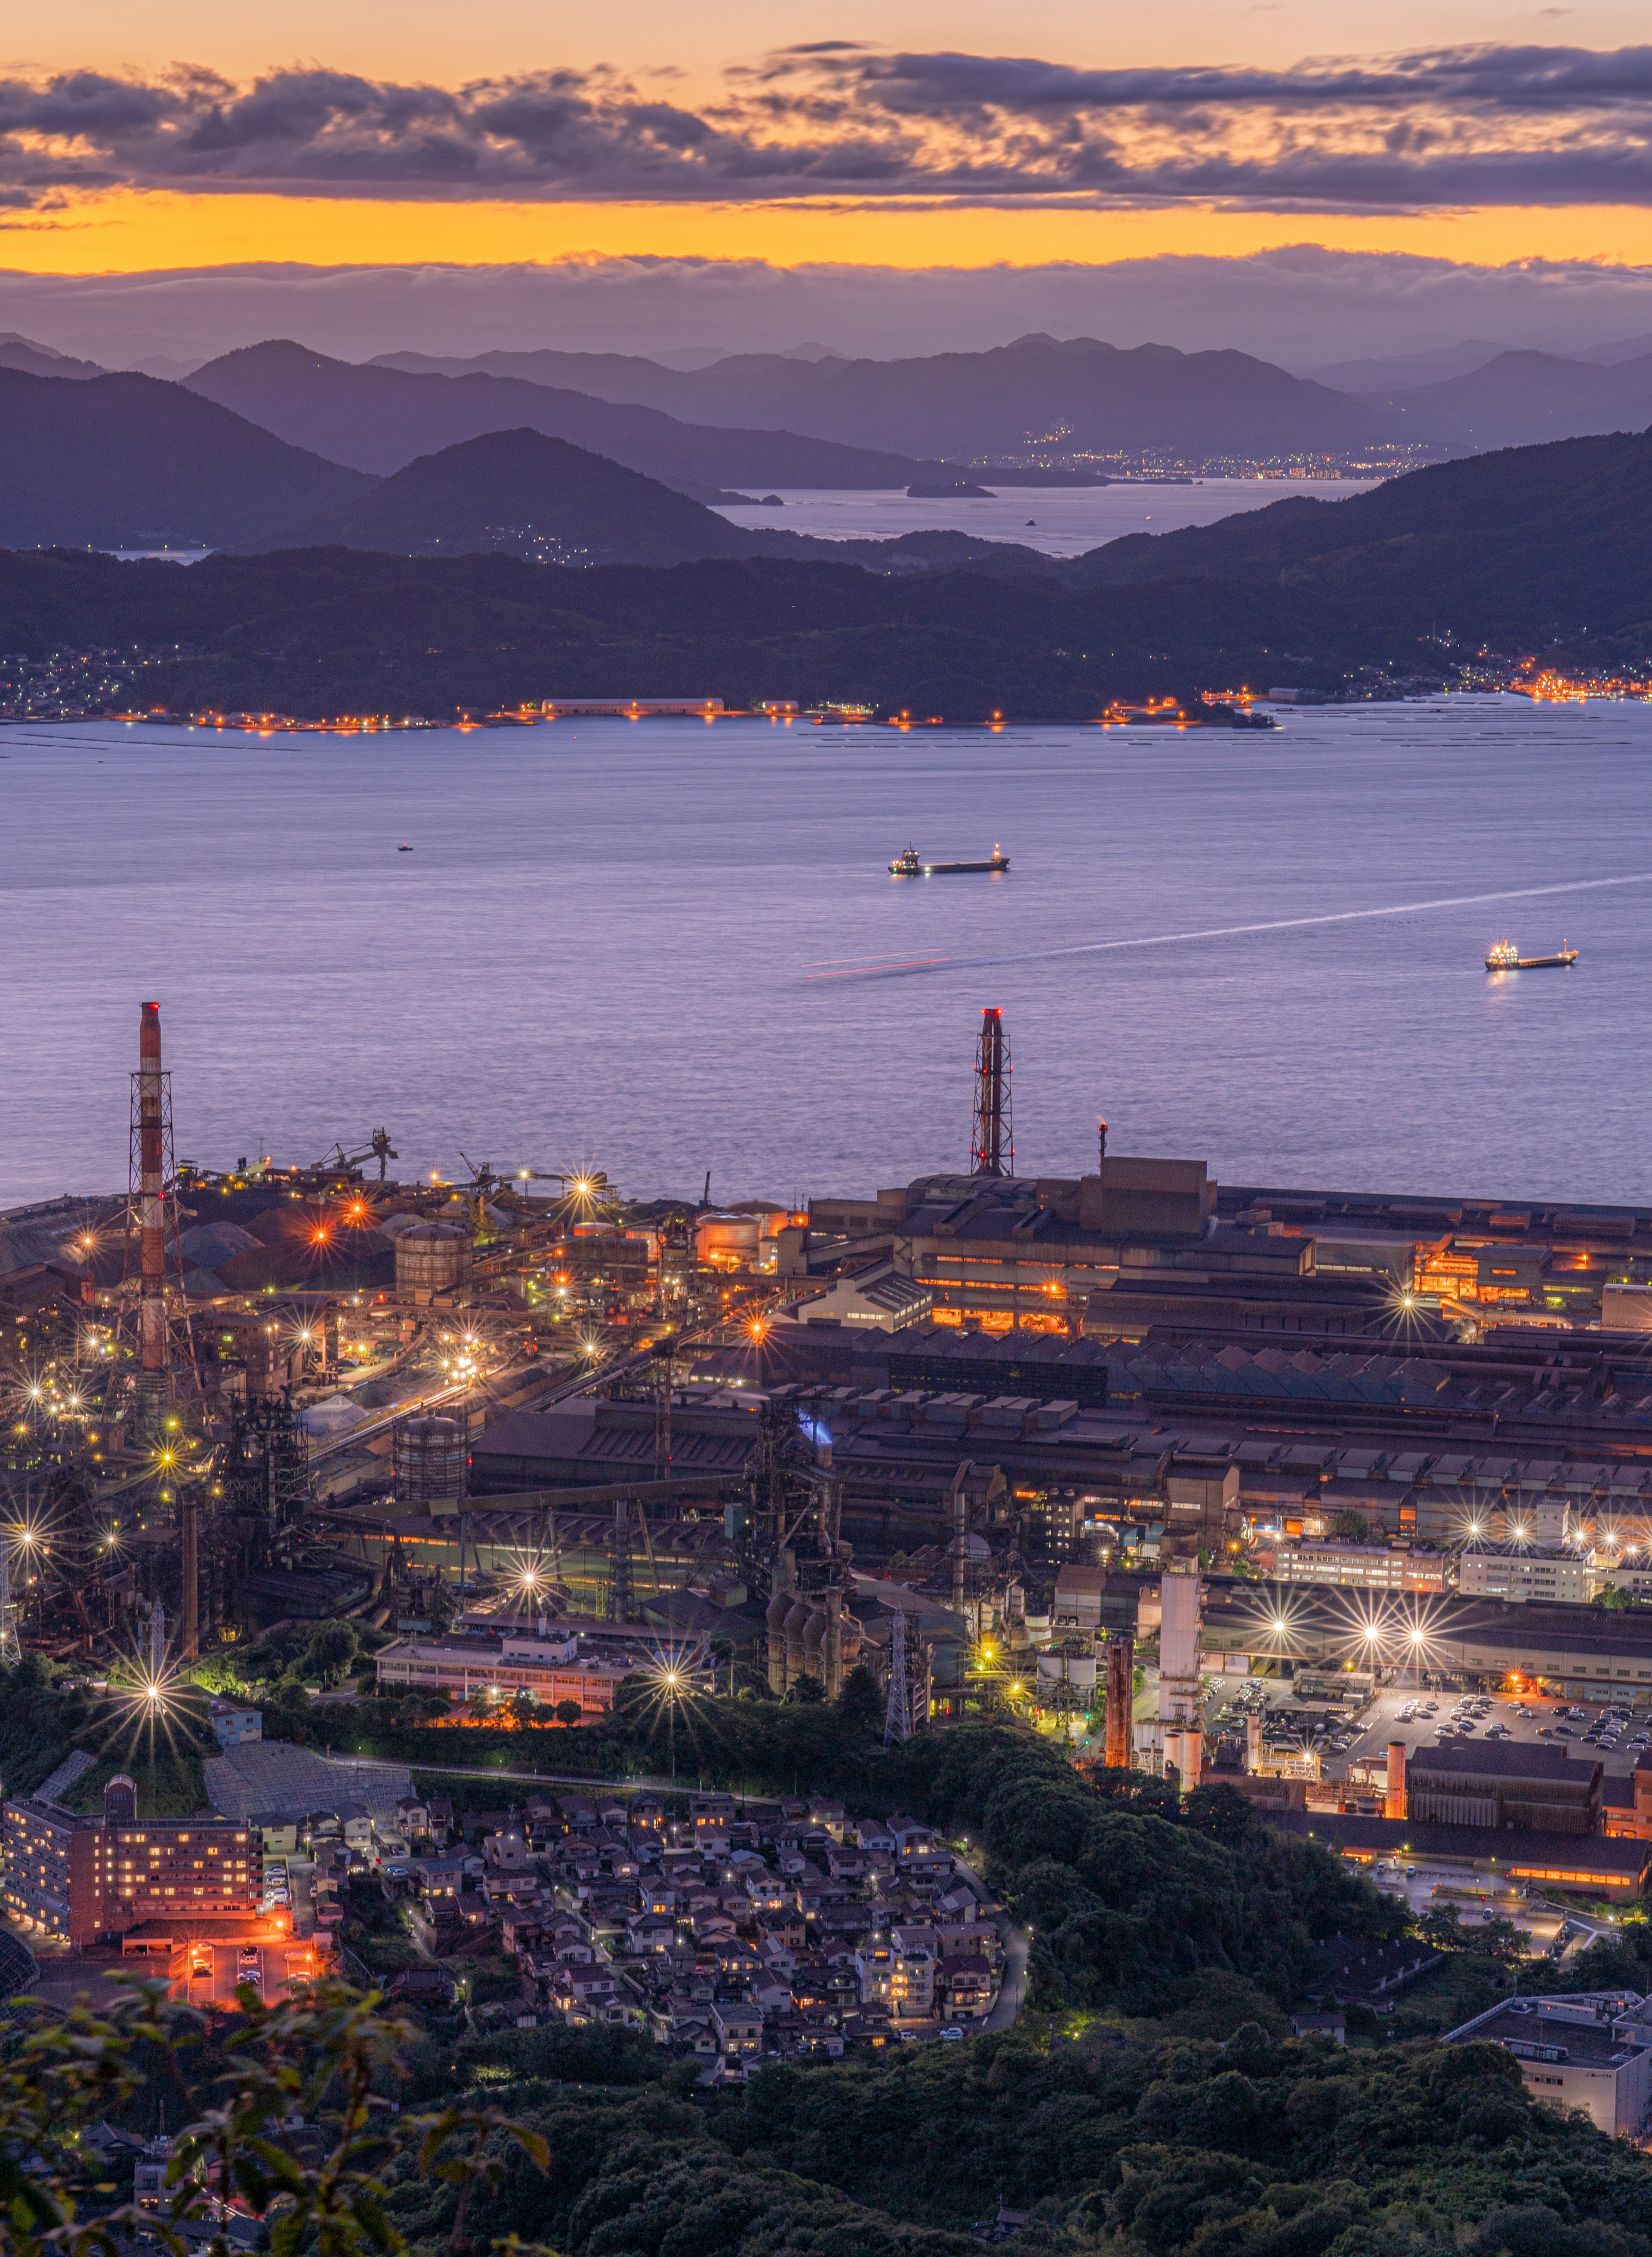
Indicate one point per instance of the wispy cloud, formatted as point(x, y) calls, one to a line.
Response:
point(1463, 126)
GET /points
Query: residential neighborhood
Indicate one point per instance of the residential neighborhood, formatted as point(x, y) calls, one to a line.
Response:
point(732, 1933)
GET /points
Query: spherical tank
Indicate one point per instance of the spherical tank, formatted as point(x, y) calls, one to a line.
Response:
point(432, 1257)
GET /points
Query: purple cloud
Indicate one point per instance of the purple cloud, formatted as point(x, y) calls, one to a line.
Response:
point(1480, 124)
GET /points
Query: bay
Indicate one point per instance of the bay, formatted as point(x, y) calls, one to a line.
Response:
point(1066, 520)
point(665, 947)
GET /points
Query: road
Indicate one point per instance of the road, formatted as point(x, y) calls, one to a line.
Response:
point(1017, 1950)
point(1012, 1993)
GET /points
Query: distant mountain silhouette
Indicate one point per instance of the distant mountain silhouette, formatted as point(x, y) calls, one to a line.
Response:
point(127, 462)
point(520, 494)
point(36, 359)
point(380, 419)
point(1075, 395)
point(1523, 399)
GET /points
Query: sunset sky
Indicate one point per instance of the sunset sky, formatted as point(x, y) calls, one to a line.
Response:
point(914, 134)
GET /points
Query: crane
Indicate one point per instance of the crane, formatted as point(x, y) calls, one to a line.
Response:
point(377, 1147)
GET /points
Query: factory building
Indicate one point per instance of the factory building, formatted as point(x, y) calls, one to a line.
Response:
point(1507, 1786)
point(550, 1670)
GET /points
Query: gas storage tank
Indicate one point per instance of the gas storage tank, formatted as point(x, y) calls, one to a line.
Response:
point(727, 1237)
point(430, 1461)
point(432, 1257)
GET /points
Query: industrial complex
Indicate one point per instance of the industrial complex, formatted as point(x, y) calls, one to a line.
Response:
point(1341, 1498)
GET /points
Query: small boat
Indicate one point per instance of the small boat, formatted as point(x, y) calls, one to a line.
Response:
point(910, 865)
point(1503, 956)
point(404, 848)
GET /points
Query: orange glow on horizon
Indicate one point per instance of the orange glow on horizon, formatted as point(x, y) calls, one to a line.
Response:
point(126, 232)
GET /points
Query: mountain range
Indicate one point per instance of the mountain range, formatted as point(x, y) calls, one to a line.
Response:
point(1521, 398)
point(378, 419)
point(1072, 397)
point(1542, 550)
point(128, 462)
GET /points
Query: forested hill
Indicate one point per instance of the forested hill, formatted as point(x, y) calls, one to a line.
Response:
point(1152, 2103)
point(1523, 545)
point(1543, 550)
point(321, 631)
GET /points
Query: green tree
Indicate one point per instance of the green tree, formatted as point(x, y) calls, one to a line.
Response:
point(328, 2056)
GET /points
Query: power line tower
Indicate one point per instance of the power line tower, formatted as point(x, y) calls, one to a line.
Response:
point(619, 1580)
point(10, 1645)
point(897, 1722)
point(993, 1152)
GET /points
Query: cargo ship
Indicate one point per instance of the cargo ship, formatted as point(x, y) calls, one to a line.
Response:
point(909, 865)
point(1503, 956)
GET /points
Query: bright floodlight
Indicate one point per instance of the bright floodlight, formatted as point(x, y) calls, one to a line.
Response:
point(1418, 1637)
point(1279, 1622)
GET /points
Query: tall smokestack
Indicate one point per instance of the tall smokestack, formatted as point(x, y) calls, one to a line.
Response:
point(993, 1152)
point(1121, 1693)
point(152, 1213)
point(1393, 1802)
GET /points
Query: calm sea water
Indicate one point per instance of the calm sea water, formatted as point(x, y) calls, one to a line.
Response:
point(655, 948)
point(1060, 520)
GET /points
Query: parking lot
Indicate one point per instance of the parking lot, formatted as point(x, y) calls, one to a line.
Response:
point(1526, 1718)
point(1426, 1719)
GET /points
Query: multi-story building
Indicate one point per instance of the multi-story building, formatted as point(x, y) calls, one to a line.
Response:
point(1362, 1567)
point(552, 1669)
point(1512, 1571)
point(1584, 2049)
point(74, 1879)
point(53, 1869)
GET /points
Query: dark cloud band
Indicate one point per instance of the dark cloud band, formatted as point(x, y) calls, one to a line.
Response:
point(1450, 126)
